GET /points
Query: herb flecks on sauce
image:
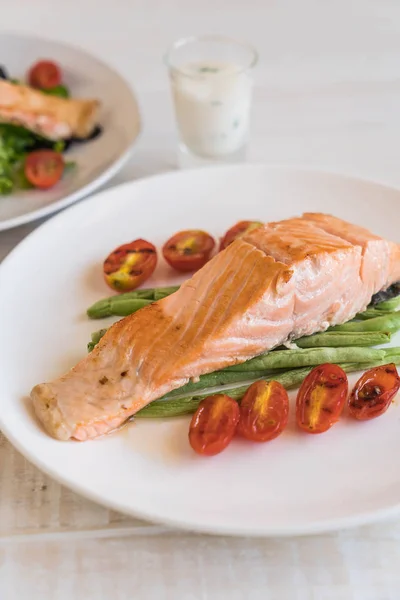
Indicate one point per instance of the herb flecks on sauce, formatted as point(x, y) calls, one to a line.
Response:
point(208, 69)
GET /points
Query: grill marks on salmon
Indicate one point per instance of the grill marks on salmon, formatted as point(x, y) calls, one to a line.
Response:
point(235, 303)
point(282, 281)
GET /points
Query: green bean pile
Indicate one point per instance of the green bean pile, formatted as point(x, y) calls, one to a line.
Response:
point(351, 346)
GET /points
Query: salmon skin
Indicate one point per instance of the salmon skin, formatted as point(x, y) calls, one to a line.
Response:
point(282, 281)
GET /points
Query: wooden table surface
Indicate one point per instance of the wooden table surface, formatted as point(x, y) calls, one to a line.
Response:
point(327, 95)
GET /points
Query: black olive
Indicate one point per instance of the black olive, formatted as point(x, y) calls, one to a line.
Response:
point(67, 144)
point(391, 292)
point(3, 73)
point(97, 131)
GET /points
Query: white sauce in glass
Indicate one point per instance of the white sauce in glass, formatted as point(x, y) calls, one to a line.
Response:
point(212, 104)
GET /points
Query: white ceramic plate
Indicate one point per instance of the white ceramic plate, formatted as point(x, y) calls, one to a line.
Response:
point(98, 160)
point(297, 483)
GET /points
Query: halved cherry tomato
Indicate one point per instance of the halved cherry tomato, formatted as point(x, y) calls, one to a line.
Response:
point(321, 398)
point(373, 392)
point(214, 424)
point(129, 265)
point(264, 411)
point(237, 231)
point(44, 75)
point(43, 168)
point(188, 250)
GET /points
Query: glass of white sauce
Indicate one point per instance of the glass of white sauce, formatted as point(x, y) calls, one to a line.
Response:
point(211, 80)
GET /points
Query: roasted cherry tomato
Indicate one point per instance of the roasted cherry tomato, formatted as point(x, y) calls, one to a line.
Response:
point(264, 411)
point(373, 392)
point(321, 398)
point(214, 424)
point(43, 168)
point(237, 231)
point(188, 250)
point(44, 75)
point(129, 266)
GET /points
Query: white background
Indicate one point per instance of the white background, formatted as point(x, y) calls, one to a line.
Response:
point(328, 95)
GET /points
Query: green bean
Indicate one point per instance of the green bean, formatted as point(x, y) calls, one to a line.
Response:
point(351, 367)
point(165, 291)
point(389, 305)
point(117, 306)
point(392, 354)
point(171, 408)
point(123, 305)
point(96, 337)
point(161, 293)
point(389, 322)
point(174, 407)
point(371, 313)
point(177, 406)
point(217, 378)
point(338, 339)
point(148, 293)
point(291, 359)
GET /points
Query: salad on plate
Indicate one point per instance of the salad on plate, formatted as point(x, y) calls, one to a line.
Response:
point(39, 120)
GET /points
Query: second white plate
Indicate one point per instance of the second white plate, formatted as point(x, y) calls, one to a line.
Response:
point(97, 160)
point(296, 484)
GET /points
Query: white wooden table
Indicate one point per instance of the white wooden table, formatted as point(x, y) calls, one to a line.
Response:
point(328, 95)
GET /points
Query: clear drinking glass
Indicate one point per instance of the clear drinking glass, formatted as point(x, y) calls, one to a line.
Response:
point(211, 84)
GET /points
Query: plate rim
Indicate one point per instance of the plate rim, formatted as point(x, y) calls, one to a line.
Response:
point(154, 518)
point(108, 173)
point(326, 526)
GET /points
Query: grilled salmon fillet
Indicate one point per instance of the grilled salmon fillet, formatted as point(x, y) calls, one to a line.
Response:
point(49, 116)
point(283, 280)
